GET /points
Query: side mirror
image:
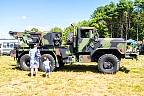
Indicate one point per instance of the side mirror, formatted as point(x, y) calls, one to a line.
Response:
point(95, 35)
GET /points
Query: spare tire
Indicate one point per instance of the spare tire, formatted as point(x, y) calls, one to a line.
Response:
point(25, 62)
point(51, 59)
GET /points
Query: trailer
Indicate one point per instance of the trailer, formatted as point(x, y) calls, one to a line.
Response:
point(6, 45)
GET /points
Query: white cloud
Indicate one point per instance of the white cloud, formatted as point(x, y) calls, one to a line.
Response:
point(41, 28)
point(23, 17)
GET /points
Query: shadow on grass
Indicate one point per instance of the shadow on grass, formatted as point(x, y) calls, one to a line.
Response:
point(124, 69)
point(13, 65)
point(85, 68)
point(16, 68)
point(79, 68)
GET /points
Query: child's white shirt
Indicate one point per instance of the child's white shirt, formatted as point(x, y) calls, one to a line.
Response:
point(46, 64)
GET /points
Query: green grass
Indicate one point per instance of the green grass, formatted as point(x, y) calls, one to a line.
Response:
point(73, 80)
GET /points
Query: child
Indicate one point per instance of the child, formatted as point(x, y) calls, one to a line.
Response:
point(47, 66)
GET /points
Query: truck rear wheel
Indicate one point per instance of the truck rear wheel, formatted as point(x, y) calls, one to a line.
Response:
point(51, 59)
point(108, 63)
point(25, 62)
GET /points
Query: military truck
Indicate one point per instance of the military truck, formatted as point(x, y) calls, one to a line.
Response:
point(83, 45)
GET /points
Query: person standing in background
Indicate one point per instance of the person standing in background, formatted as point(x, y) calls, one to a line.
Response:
point(13, 53)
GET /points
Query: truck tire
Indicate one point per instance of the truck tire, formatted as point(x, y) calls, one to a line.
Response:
point(108, 63)
point(25, 62)
point(52, 61)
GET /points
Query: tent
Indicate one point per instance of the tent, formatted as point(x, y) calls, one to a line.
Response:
point(132, 42)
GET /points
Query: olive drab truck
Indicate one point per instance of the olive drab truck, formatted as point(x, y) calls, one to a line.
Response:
point(83, 45)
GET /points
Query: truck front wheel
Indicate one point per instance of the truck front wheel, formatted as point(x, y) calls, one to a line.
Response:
point(108, 63)
point(25, 62)
point(51, 59)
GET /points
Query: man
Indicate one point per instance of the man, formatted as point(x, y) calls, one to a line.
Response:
point(13, 53)
point(34, 54)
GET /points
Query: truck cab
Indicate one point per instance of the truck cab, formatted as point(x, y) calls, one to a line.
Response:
point(107, 52)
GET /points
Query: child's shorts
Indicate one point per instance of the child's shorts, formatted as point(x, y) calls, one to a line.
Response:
point(47, 70)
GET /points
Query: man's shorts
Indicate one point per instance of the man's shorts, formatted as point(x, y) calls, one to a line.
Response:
point(34, 64)
point(47, 70)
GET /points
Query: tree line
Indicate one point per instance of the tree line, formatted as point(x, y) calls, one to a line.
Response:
point(124, 19)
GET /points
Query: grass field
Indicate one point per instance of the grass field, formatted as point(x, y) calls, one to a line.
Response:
point(73, 80)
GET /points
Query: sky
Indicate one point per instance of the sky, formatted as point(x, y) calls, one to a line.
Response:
point(18, 15)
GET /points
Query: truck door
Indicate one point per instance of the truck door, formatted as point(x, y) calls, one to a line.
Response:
point(84, 36)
